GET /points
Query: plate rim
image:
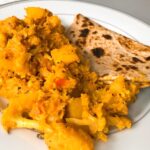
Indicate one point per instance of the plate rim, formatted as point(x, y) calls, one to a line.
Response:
point(80, 2)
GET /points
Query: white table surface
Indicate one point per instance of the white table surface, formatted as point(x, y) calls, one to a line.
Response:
point(137, 8)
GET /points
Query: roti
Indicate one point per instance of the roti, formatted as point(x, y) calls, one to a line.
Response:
point(111, 54)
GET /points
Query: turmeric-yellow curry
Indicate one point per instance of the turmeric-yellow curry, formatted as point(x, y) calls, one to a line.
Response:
point(50, 87)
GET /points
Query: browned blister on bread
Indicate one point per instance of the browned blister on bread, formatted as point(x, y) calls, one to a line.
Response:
point(111, 54)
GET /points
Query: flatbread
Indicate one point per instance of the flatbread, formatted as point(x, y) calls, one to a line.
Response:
point(111, 54)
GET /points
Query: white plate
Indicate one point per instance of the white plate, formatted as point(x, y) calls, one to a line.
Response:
point(136, 138)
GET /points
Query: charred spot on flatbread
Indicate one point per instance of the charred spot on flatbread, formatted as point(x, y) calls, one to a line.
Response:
point(119, 69)
point(121, 56)
point(126, 67)
point(107, 36)
point(134, 67)
point(84, 32)
point(148, 58)
point(136, 60)
point(98, 52)
point(94, 32)
point(72, 32)
point(115, 65)
point(91, 24)
point(87, 20)
point(80, 43)
point(84, 25)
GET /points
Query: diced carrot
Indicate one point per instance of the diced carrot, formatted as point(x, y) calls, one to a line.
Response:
point(60, 83)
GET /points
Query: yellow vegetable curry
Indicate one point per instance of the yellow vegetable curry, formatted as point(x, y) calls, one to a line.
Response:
point(50, 87)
